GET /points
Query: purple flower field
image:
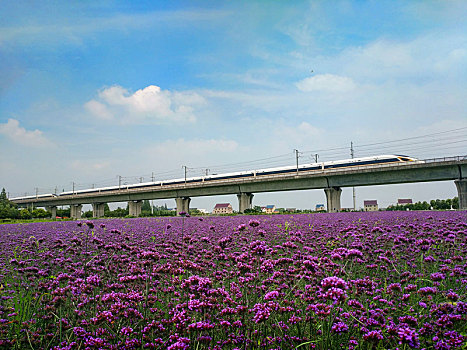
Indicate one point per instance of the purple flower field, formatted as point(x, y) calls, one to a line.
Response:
point(382, 280)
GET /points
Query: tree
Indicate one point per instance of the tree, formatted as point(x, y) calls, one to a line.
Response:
point(25, 214)
point(106, 210)
point(7, 209)
point(3, 196)
point(119, 212)
point(146, 206)
point(40, 213)
point(64, 213)
point(255, 210)
point(195, 212)
point(435, 204)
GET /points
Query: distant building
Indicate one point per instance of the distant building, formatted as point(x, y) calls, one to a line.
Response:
point(269, 209)
point(347, 210)
point(223, 208)
point(404, 201)
point(291, 210)
point(370, 205)
point(320, 207)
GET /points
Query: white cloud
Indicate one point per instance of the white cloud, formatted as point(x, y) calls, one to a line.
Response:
point(91, 166)
point(69, 29)
point(172, 154)
point(20, 135)
point(191, 147)
point(426, 58)
point(303, 136)
point(98, 109)
point(147, 105)
point(326, 83)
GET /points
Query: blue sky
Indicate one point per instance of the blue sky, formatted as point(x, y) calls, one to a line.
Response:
point(92, 90)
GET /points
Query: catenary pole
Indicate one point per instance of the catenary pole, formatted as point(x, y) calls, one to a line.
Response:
point(353, 188)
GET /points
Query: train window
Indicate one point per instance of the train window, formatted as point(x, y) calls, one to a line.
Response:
point(404, 159)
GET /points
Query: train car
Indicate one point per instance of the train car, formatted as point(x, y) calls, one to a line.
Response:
point(234, 175)
point(368, 161)
point(142, 185)
point(41, 196)
point(91, 190)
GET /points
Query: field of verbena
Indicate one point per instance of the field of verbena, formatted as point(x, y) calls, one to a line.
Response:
point(356, 281)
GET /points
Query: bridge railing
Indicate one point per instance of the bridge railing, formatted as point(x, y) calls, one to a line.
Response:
point(445, 159)
point(325, 171)
point(279, 176)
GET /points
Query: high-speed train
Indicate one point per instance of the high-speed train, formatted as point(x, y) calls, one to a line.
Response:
point(39, 196)
point(339, 164)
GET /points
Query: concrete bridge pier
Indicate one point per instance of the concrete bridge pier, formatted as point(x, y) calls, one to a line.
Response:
point(245, 201)
point(75, 211)
point(53, 210)
point(98, 210)
point(333, 197)
point(183, 204)
point(462, 193)
point(135, 208)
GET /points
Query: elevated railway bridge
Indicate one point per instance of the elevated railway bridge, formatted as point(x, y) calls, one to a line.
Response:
point(331, 180)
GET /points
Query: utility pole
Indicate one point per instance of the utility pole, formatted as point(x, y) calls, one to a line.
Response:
point(207, 172)
point(296, 158)
point(55, 190)
point(152, 176)
point(73, 184)
point(119, 181)
point(141, 179)
point(184, 167)
point(316, 157)
point(37, 190)
point(353, 188)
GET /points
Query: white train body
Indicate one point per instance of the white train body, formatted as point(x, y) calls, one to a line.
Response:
point(322, 166)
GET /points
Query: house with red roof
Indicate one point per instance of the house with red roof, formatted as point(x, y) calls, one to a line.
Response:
point(370, 205)
point(404, 201)
point(222, 208)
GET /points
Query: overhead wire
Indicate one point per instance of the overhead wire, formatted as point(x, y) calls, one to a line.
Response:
point(437, 140)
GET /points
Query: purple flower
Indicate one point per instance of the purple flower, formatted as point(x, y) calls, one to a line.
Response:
point(126, 331)
point(452, 296)
point(335, 294)
point(408, 336)
point(336, 282)
point(262, 312)
point(427, 290)
point(395, 287)
point(181, 344)
point(201, 326)
point(253, 223)
point(340, 327)
point(373, 336)
point(271, 295)
point(437, 276)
